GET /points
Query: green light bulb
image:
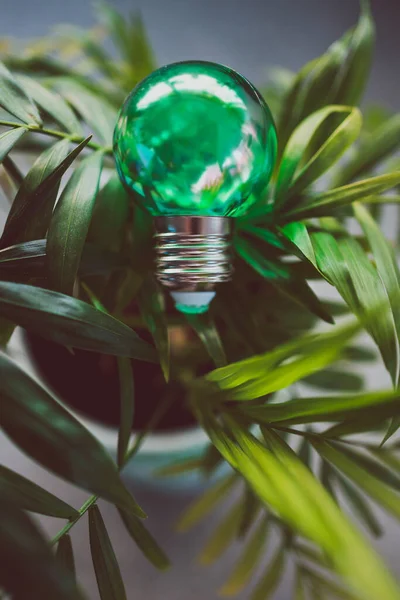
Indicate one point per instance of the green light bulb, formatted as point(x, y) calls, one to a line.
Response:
point(197, 143)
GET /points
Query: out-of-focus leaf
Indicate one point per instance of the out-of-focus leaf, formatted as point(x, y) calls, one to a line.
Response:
point(326, 203)
point(30, 258)
point(304, 452)
point(325, 587)
point(51, 103)
point(130, 37)
point(393, 427)
point(110, 215)
point(300, 292)
point(65, 555)
point(206, 503)
point(270, 580)
point(179, 467)
point(69, 321)
point(29, 496)
point(223, 535)
point(126, 394)
point(29, 570)
point(14, 99)
point(356, 425)
point(256, 367)
point(251, 506)
point(346, 265)
point(376, 147)
point(327, 475)
point(265, 267)
point(299, 592)
point(385, 260)
point(48, 433)
point(207, 331)
point(70, 223)
point(144, 540)
point(375, 488)
point(95, 111)
point(355, 71)
point(325, 408)
point(37, 194)
point(360, 506)
point(108, 575)
point(248, 561)
point(292, 177)
point(151, 304)
point(333, 379)
point(359, 354)
point(8, 139)
point(373, 466)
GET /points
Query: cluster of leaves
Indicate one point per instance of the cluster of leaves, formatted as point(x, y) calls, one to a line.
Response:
point(74, 256)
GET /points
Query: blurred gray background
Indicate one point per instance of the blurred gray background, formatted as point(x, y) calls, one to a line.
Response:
point(250, 36)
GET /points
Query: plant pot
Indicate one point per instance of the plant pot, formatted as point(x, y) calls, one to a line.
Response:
point(65, 373)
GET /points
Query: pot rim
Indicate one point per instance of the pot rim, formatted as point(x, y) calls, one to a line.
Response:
point(175, 441)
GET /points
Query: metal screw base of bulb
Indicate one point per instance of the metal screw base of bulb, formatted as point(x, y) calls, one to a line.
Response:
point(193, 253)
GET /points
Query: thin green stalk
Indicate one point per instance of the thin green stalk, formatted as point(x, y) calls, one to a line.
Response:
point(158, 414)
point(76, 139)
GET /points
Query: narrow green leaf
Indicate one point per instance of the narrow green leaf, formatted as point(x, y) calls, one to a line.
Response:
point(52, 103)
point(300, 292)
point(15, 101)
point(206, 503)
point(304, 452)
point(326, 203)
point(69, 321)
point(29, 496)
point(251, 506)
point(70, 223)
point(207, 331)
point(30, 258)
point(355, 71)
point(325, 586)
point(393, 427)
point(180, 467)
point(349, 269)
point(376, 468)
point(248, 561)
point(379, 144)
point(65, 555)
point(360, 506)
point(37, 194)
point(151, 304)
point(48, 433)
point(8, 139)
point(108, 575)
point(127, 402)
point(333, 379)
point(110, 215)
point(256, 367)
point(29, 567)
point(325, 408)
point(144, 540)
point(300, 242)
point(385, 260)
point(95, 111)
point(327, 476)
point(292, 179)
point(375, 488)
point(270, 580)
point(360, 424)
point(261, 264)
point(285, 375)
point(223, 535)
point(299, 592)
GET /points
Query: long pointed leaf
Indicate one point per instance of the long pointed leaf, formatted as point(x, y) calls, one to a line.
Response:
point(15, 101)
point(70, 321)
point(30, 496)
point(65, 555)
point(144, 540)
point(108, 575)
point(47, 432)
point(8, 139)
point(70, 223)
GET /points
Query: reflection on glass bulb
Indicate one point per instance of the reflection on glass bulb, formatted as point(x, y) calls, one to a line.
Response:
point(194, 139)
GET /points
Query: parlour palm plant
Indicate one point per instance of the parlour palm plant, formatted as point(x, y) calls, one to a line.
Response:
point(76, 251)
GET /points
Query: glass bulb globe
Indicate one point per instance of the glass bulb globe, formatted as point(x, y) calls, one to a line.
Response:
point(194, 140)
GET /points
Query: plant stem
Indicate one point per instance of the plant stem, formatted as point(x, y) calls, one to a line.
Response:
point(89, 502)
point(158, 414)
point(76, 139)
